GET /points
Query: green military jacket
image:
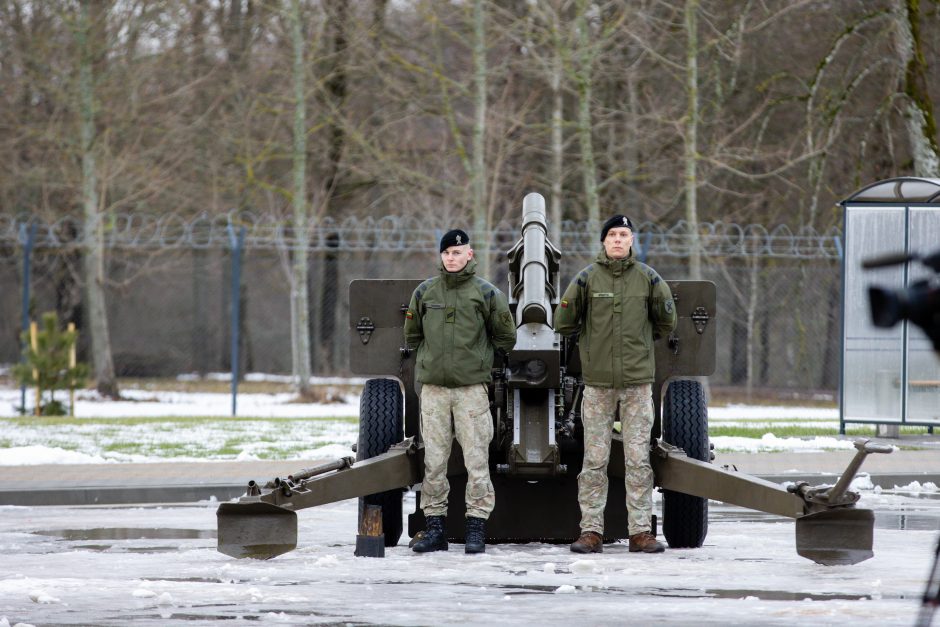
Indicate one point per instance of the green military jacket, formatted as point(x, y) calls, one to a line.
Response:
point(456, 321)
point(619, 306)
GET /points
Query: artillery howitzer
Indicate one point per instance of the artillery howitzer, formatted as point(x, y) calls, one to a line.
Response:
point(537, 449)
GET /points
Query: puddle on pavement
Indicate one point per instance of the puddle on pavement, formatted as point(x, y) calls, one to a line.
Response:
point(745, 516)
point(772, 595)
point(128, 533)
point(914, 521)
point(194, 579)
point(763, 595)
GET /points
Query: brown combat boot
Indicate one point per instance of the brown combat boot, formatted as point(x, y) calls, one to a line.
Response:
point(645, 542)
point(589, 542)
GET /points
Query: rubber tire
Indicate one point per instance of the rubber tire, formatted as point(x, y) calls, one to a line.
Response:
point(381, 411)
point(685, 424)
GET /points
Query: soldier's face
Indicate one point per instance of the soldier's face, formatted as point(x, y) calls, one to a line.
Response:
point(618, 242)
point(456, 258)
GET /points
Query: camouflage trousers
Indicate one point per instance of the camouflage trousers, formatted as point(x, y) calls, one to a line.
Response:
point(598, 413)
point(463, 412)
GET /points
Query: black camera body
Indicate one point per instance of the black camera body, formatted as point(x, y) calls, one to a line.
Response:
point(919, 302)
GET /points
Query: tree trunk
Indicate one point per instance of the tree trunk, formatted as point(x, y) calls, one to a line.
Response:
point(481, 226)
point(631, 153)
point(588, 167)
point(557, 140)
point(752, 300)
point(918, 109)
point(300, 306)
point(94, 226)
point(691, 147)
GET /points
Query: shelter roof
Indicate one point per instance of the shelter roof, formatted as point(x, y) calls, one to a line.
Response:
point(903, 190)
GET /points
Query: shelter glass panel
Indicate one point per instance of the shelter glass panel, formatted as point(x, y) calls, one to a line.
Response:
point(879, 192)
point(918, 191)
point(923, 365)
point(873, 357)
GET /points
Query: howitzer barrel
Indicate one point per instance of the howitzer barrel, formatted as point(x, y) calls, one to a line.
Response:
point(535, 303)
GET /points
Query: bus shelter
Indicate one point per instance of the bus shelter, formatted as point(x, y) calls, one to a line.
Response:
point(890, 376)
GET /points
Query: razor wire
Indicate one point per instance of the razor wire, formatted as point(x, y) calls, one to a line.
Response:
point(397, 233)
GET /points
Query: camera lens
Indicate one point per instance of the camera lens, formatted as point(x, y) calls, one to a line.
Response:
point(886, 308)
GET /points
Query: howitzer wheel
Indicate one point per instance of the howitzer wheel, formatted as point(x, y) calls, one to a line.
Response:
point(685, 424)
point(380, 426)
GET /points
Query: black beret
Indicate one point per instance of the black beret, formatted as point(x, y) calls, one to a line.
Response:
point(616, 221)
point(454, 238)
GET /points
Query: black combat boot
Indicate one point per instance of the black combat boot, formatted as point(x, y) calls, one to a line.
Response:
point(434, 538)
point(476, 535)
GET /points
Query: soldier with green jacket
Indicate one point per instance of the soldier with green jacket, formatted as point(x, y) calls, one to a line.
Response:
point(456, 321)
point(618, 306)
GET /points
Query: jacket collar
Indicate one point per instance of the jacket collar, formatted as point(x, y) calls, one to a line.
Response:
point(615, 266)
point(453, 279)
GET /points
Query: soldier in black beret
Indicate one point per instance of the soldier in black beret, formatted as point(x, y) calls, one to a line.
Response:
point(617, 306)
point(456, 321)
point(455, 237)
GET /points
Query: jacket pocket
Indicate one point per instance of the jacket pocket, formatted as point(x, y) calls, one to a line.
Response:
point(599, 367)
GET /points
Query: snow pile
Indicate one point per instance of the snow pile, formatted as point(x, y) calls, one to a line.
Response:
point(917, 486)
point(585, 567)
point(41, 596)
point(862, 482)
point(770, 443)
point(35, 455)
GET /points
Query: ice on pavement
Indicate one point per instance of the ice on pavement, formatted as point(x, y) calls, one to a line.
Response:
point(748, 573)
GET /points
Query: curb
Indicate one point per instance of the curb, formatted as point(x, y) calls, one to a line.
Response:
point(144, 494)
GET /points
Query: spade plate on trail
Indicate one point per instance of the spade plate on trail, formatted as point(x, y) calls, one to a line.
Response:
point(259, 530)
point(836, 536)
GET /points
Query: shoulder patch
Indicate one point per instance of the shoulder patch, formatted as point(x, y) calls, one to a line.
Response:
point(423, 287)
point(486, 288)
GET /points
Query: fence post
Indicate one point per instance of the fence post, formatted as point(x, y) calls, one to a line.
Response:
point(27, 239)
point(237, 243)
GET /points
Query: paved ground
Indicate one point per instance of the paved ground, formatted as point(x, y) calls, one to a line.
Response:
point(180, 482)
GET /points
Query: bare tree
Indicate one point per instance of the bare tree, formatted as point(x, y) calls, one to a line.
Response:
point(918, 106)
point(481, 223)
point(90, 34)
point(300, 326)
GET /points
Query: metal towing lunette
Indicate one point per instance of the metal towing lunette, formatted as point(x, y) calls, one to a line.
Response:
point(537, 449)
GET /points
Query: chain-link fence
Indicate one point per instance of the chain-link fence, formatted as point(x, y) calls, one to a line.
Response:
point(169, 288)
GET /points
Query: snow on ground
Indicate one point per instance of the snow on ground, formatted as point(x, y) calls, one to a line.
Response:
point(308, 426)
point(100, 565)
point(769, 443)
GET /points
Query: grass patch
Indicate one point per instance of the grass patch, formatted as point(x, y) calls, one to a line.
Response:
point(152, 449)
point(799, 431)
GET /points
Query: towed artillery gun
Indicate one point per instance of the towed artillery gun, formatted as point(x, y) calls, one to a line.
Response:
point(537, 448)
